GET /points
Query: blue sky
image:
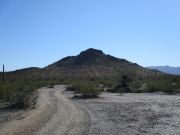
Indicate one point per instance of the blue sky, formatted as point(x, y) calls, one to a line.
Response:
point(40, 32)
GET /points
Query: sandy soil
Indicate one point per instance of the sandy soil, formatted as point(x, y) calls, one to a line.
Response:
point(54, 115)
point(134, 114)
point(58, 113)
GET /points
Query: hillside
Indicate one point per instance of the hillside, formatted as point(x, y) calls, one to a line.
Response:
point(167, 69)
point(91, 63)
point(32, 73)
point(94, 63)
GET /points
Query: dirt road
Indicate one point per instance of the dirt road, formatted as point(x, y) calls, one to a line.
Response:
point(55, 115)
point(58, 113)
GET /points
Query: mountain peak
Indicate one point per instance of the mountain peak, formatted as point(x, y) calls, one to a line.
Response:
point(90, 56)
point(91, 52)
point(95, 63)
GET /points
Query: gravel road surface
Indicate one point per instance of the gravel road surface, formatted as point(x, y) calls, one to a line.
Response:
point(58, 113)
point(54, 115)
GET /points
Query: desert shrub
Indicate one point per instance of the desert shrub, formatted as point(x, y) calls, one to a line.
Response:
point(19, 94)
point(86, 89)
point(23, 98)
point(169, 85)
point(122, 85)
point(89, 90)
point(50, 85)
point(154, 86)
point(165, 86)
point(108, 83)
point(138, 87)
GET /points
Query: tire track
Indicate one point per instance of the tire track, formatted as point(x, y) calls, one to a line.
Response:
point(54, 115)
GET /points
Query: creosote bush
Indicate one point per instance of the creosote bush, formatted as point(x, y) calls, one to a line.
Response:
point(162, 85)
point(85, 89)
point(24, 98)
point(169, 85)
point(122, 85)
point(20, 95)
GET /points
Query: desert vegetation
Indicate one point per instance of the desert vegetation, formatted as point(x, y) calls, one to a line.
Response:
point(85, 89)
point(169, 85)
point(19, 94)
point(22, 94)
point(124, 84)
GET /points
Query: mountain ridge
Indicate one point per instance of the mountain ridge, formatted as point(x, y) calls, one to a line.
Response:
point(91, 63)
point(88, 57)
point(167, 69)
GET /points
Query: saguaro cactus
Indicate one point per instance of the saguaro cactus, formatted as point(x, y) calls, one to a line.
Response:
point(3, 74)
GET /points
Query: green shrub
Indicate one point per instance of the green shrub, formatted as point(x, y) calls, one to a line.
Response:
point(89, 90)
point(165, 86)
point(19, 94)
point(138, 87)
point(122, 85)
point(85, 89)
point(23, 99)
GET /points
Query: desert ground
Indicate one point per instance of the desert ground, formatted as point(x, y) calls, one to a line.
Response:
point(59, 113)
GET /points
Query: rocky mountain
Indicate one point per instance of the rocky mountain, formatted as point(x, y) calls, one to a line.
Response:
point(91, 63)
point(167, 69)
point(95, 63)
point(90, 57)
